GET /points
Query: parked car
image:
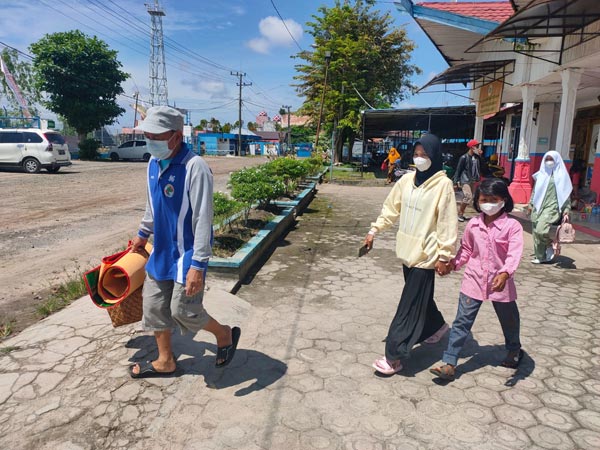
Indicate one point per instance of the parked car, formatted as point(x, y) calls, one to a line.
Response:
point(33, 149)
point(130, 150)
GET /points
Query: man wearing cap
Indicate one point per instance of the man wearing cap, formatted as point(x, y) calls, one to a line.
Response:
point(468, 172)
point(179, 213)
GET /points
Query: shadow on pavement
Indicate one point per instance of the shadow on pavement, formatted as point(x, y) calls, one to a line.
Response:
point(564, 262)
point(247, 365)
point(192, 360)
point(477, 356)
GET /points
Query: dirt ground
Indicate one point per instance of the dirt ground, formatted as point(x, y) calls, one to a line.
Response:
point(54, 227)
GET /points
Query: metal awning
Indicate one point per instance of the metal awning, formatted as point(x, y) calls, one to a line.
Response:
point(545, 19)
point(477, 73)
point(548, 18)
point(446, 122)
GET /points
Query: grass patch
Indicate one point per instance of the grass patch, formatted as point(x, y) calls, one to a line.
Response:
point(346, 175)
point(62, 296)
point(7, 350)
point(7, 328)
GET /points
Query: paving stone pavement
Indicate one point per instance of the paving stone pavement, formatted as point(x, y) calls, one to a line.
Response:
point(313, 319)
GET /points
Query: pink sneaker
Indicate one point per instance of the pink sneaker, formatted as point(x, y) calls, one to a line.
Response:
point(438, 335)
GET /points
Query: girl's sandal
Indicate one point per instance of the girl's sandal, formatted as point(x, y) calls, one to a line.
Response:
point(513, 359)
point(387, 367)
point(445, 372)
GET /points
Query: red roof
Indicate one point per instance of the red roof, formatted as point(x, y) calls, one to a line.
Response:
point(492, 11)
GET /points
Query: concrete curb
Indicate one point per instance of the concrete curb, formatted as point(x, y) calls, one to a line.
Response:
point(258, 247)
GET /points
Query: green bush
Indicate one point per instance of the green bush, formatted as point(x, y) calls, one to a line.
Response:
point(88, 149)
point(315, 163)
point(255, 185)
point(224, 207)
point(289, 170)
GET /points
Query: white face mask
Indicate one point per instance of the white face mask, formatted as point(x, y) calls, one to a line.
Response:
point(422, 163)
point(158, 149)
point(490, 209)
point(550, 164)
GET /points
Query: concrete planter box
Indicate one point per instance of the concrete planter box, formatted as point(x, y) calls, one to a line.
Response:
point(257, 248)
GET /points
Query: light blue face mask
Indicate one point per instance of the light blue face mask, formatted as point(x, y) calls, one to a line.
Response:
point(159, 149)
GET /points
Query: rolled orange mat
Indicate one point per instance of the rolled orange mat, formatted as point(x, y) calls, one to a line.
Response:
point(122, 274)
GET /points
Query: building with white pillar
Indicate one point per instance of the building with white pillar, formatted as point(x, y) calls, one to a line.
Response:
point(543, 56)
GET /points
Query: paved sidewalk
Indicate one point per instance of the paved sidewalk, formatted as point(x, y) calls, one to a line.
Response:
point(313, 319)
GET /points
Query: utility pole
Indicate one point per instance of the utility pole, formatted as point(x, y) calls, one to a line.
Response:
point(327, 61)
point(289, 130)
point(135, 112)
point(241, 84)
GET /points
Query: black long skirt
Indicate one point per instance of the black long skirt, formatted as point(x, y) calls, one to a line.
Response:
point(417, 317)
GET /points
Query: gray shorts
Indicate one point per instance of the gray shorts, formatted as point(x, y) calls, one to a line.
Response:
point(167, 306)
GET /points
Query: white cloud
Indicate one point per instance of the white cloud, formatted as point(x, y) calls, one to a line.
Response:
point(206, 88)
point(259, 45)
point(274, 34)
point(238, 10)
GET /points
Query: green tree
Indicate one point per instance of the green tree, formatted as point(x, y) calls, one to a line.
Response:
point(302, 133)
point(215, 125)
point(202, 125)
point(252, 126)
point(226, 128)
point(81, 77)
point(368, 56)
point(23, 75)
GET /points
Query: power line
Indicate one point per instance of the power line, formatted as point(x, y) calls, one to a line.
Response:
point(62, 70)
point(285, 25)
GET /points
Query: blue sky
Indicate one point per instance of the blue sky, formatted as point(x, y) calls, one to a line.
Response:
point(238, 35)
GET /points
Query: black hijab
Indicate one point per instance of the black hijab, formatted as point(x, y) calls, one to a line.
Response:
point(433, 147)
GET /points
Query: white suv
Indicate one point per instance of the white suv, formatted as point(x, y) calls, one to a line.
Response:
point(130, 150)
point(33, 149)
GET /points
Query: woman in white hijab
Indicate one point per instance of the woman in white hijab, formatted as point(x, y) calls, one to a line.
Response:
point(550, 202)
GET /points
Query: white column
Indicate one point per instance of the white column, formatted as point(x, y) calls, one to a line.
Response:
point(528, 92)
point(478, 129)
point(570, 83)
point(506, 135)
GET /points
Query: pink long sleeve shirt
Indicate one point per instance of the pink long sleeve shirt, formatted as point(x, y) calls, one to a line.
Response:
point(488, 250)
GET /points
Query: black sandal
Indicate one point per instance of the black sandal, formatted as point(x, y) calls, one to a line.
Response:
point(226, 353)
point(443, 372)
point(147, 370)
point(513, 359)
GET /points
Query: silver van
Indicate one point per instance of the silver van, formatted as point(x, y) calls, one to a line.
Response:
point(33, 149)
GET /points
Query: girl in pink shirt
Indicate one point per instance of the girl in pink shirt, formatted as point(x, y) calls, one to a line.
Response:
point(491, 249)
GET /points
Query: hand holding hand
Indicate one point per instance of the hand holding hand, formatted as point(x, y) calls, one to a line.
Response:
point(441, 267)
point(451, 266)
point(194, 282)
point(499, 282)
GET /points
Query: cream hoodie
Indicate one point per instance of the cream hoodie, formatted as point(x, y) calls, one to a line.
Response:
point(428, 228)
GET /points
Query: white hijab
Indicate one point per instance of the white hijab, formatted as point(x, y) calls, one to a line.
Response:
point(562, 181)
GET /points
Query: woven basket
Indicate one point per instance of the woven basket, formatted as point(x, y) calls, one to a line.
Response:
point(127, 311)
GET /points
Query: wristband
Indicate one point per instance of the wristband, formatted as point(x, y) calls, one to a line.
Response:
point(372, 231)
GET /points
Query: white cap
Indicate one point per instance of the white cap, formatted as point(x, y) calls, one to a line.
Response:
point(160, 119)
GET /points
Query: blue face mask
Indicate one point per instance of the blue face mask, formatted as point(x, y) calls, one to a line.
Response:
point(159, 149)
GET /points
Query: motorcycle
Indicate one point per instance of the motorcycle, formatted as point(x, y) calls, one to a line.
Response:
point(399, 171)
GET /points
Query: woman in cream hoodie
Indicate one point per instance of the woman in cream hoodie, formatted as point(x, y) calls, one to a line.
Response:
point(424, 205)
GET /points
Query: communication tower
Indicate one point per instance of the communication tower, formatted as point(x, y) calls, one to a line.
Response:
point(158, 68)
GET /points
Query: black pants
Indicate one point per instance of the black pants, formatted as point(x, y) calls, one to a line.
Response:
point(417, 317)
